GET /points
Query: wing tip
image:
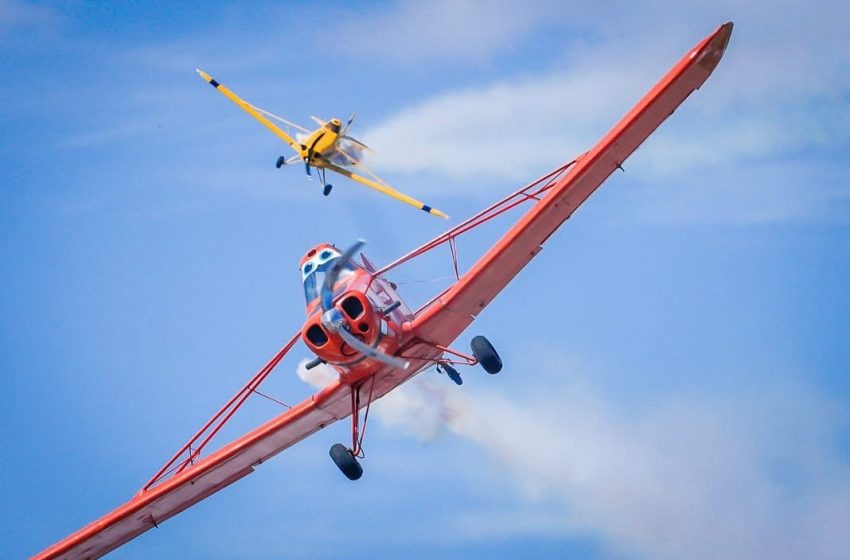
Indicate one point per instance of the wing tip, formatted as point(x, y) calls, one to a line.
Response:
point(714, 46)
point(207, 78)
point(434, 211)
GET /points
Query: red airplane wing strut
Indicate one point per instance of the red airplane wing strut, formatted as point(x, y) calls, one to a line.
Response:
point(196, 444)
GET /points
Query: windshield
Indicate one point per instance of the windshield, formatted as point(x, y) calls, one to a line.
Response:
point(315, 270)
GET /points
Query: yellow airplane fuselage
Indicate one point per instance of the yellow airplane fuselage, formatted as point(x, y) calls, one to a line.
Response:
point(320, 145)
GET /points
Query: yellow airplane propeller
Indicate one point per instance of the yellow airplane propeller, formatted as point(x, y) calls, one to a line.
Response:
point(359, 164)
point(348, 123)
point(356, 141)
point(306, 154)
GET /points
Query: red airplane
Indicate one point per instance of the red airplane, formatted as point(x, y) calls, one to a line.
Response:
point(357, 323)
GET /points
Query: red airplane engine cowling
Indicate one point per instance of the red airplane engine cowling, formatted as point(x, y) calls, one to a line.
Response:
point(363, 322)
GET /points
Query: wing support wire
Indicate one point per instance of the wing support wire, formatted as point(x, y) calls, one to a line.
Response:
point(191, 450)
point(530, 192)
point(279, 119)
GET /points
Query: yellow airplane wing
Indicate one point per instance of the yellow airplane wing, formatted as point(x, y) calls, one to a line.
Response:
point(248, 108)
point(384, 188)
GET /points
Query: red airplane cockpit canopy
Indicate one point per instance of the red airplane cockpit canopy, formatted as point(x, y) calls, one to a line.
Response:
point(315, 265)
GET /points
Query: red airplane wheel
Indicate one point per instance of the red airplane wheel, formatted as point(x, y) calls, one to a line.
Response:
point(346, 462)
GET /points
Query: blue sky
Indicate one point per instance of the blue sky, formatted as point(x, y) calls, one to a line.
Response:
point(676, 379)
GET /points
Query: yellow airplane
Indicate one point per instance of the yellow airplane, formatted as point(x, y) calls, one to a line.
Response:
point(326, 148)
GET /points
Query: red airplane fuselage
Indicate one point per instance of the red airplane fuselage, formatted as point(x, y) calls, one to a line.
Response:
point(367, 302)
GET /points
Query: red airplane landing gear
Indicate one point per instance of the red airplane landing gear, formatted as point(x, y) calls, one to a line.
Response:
point(486, 355)
point(346, 462)
point(344, 457)
point(451, 372)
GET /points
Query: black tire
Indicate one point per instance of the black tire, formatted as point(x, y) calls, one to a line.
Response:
point(346, 462)
point(453, 374)
point(486, 355)
point(327, 190)
point(280, 162)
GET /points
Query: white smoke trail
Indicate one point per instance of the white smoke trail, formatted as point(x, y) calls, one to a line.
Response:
point(318, 377)
point(689, 477)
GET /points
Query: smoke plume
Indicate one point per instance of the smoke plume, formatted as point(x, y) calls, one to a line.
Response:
point(691, 476)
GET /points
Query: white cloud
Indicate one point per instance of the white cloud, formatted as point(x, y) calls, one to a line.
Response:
point(693, 476)
point(763, 105)
point(756, 193)
point(503, 131)
point(510, 129)
point(459, 30)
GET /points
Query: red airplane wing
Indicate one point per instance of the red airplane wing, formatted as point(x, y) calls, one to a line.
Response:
point(149, 509)
point(167, 495)
point(446, 317)
point(152, 506)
